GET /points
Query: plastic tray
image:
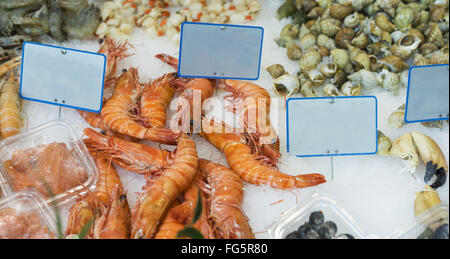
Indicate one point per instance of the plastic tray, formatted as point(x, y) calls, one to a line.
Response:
point(31, 202)
point(299, 215)
point(436, 215)
point(55, 131)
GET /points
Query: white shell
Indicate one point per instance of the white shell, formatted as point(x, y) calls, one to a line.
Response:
point(289, 83)
point(391, 81)
point(366, 78)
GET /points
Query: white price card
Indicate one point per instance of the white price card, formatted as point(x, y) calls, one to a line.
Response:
point(428, 90)
point(62, 76)
point(220, 51)
point(332, 126)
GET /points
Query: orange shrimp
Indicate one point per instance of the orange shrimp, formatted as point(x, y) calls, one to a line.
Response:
point(189, 86)
point(171, 225)
point(159, 193)
point(106, 208)
point(119, 112)
point(227, 193)
point(114, 52)
point(182, 214)
point(155, 99)
point(114, 222)
point(9, 65)
point(251, 168)
point(129, 155)
point(256, 118)
point(10, 105)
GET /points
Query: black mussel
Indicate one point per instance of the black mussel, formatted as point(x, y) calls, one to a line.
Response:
point(316, 218)
point(427, 234)
point(293, 235)
point(441, 232)
point(328, 230)
point(311, 234)
point(303, 229)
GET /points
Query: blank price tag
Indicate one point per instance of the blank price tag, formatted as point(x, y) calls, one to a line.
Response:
point(220, 51)
point(428, 89)
point(332, 126)
point(61, 76)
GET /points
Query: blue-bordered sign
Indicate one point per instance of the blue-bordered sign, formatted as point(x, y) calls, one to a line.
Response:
point(332, 126)
point(62, 76)
point(428, 90)
point(220, 51)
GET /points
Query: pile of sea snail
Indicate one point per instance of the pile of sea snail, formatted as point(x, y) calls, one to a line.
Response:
point(351, 45)
point(22, 20)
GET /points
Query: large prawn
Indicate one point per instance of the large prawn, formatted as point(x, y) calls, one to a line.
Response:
point(155, 99)
point(129, 155)
point(255, 112)
point(120, 112)
point(162, 190)
point(114, 52)
point(251, 167)
point(106, 208)
point(181, 214)
point(190, 86)
point(10, 119)
point(226, 195)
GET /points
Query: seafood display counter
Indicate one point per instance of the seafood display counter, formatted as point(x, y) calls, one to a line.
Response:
point(67, 173)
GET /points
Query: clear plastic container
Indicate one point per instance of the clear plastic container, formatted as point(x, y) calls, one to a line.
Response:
point(26, 215)
point(49, 133)
point(431, 219)
point(299, 215)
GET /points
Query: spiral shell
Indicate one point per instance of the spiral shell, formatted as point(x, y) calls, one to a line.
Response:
point(315, 13)
point(353, 20)
point(388, 6)
point(378, 48)
point(307, 41)
point(315, 77)
point(437, 13)
point(396, 119)
point(329, 27)
point(307, 89)
point(350, 88)
point(330, 90)
point(405, 46)
point(276, 70)
point(291, 31)
point(394, 63)
point(391, 82)
point(340, 57)
point(303, 31)
point(284, 41)
point(286, 85)
point(382, 21)
point(366, 78)
point(328, 70)
point(420, 60)
point(340, 77)
point(434, 35)
point(310, 59)
point(344, 37)
point(362, 61)
point(294, 52)
point(360, 41)
point(340, 11)
point(428, 48)
point(404, 17)
point(439, 58)
point(358, 5)
point(324, 41)
point(384, 144)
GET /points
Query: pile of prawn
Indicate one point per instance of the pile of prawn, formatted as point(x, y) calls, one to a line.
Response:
point(23, 20)
point(176, 181)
